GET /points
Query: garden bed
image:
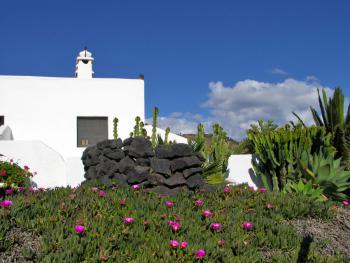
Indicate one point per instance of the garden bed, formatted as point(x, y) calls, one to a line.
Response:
point(234, 224)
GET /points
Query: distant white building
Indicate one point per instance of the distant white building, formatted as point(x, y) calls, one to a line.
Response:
point(67, 114)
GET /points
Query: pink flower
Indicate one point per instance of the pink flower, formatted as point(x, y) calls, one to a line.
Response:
point(9, 191)
point(175, 226)
point(79, 229)
point(184, 244)
point(31, 189)
point(11, 160)
point(345, 203)
point(94, 189)
point(122, 201)
point(215, 226)
point(227, 189)
point(221, 242)
point(173, 243)
point(6, 203)
point(199, 202)
point(269, 206)
point(207, 213)
point(262, 190)
point(3, 172)
point(135, 187)
point(101, 194)
point(247, 225)
point(200, 254)
point(170, 223)
point(169, 203)
point(128, 220)
point(26, 167)
point(21, 188)
point(146, 222)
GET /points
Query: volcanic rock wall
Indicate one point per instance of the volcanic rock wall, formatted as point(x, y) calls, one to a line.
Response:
point(167, 169)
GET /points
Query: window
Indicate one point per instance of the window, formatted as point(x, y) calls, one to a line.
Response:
point(91, 130)
point(2, 120)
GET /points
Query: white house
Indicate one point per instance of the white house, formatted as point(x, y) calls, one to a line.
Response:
point(67, 114)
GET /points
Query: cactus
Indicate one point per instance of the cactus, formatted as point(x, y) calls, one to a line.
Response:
point(137, 129)
point(166, 138)
point(154, 127)
point(115, 129)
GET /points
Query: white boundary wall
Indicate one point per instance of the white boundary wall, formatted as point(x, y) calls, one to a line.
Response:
point(240, 170)
point(47, 163)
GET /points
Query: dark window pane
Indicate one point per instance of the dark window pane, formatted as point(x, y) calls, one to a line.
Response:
point(91, 130)
point(2, 120)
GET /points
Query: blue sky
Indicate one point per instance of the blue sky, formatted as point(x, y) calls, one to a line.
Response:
point(197, 56)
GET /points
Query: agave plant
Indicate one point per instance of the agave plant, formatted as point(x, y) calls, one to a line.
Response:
point(332, 118)
point(327, 173)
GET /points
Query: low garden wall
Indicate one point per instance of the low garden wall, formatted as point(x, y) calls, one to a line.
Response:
point(167, 169)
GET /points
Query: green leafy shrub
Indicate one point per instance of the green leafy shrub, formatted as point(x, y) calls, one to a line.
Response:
point(277, 152)
point(53, 215)
point(12, 175)
point(306, 189)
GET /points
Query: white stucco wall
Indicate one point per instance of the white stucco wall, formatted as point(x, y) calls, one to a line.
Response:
point(47, 163)
point(46, 108)
point(240, 170)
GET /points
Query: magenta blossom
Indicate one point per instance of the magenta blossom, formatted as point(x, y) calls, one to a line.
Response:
point(262, 190)
point(26, 167)
point(170, 222)
point(6, 203)
point(207, 213)
point(79, 229)
point(173, 243)
point(101, 194)
point(184, 244)
point(128, 220)
point(200, 254)
point(247, 225)
point(221, 242)
point(9, 191)
point(198, 202)
point(21, 188)
point(215, 226)
point(269, 206)
point(345, 203)
point(135, 187)
point(169, 203)
point(227, 189)
point(175, 226)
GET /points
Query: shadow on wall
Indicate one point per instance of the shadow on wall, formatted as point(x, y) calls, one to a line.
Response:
point(5, 133)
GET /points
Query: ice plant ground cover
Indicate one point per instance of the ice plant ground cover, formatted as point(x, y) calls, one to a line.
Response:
point(234, 224)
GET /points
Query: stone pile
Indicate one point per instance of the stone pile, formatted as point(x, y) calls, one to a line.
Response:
point(167, 169)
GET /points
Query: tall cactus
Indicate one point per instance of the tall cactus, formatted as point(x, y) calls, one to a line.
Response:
point(137, 129)
point(166, 138)
point(154, 127)
point(115, 129)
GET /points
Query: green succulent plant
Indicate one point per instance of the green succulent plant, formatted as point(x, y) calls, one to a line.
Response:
point(306, 189)
point(326, 173)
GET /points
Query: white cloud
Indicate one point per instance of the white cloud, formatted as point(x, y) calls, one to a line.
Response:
point(247, 101)
point(278, 71)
